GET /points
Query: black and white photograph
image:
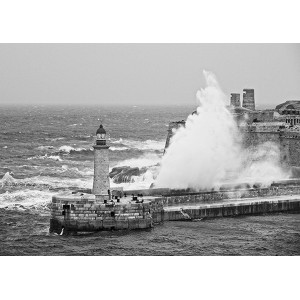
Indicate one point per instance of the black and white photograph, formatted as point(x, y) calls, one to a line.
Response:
point(155, 149)
point(129, 150)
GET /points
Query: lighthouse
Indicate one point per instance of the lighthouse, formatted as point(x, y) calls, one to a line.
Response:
point(101, 165)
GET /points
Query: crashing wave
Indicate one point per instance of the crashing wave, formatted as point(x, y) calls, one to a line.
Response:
point(26, 199)
point(46, 156)
point(70, 150)
point(9, 181)
point(125, 174)
point(73, 172)
point(136, 173)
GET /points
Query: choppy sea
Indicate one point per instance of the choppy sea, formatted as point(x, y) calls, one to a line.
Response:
point(44, 150)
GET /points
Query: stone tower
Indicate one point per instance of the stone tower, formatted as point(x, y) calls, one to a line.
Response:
point(235, 100)
point(101, 165)
point(248, 99)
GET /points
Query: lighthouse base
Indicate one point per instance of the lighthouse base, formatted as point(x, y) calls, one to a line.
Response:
point(86, 212)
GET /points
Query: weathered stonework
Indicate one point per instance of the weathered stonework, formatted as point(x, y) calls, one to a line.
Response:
point(101, 170)
point(183, 205)
point(254, 207)
point(83, 212)
point(235, 100)
point(248, 99)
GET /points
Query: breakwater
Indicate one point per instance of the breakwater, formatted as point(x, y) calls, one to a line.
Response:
point(228, 209)
point(86, 212)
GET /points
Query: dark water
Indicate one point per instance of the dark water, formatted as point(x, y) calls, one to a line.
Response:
point(26, 233)
point(45, 150)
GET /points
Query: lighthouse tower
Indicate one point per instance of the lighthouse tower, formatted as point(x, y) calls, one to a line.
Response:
point(101, 165)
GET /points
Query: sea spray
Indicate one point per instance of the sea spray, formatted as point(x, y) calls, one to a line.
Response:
point(261, 164)
point(201, 153)
point(208, 150)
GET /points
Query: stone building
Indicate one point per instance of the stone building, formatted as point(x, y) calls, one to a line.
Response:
point(289, 111)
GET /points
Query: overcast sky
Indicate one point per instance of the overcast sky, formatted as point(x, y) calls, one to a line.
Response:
point(144, 73)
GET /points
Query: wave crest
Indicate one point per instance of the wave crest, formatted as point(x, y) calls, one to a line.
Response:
point(46, 156)
point(65, 149)
point(147, 145)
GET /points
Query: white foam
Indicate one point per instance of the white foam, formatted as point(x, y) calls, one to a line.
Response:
point(209, 147)
point(146, 160)
point(55, 139)
point(46, 156)
point(25, 199)
point(139, 182)
point(68, 149)
point(7, 179)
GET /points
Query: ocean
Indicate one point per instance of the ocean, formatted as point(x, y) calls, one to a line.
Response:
point(48, 149)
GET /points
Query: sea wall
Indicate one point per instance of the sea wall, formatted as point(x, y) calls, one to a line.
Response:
point(205, 197)
point(226, 191)
point(261, 116)
point(287, 139)
point(164, 205)
point(228, 210)
point(86, 214)
point(291, 145)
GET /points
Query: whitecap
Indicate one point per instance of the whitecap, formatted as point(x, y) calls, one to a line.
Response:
point(46, 156)
point(69, 149)
point(55, 139)
point(26, 199)
point(66, 149)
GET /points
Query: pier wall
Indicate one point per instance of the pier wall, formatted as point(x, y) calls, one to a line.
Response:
point(173, 197)
point(227, 210)
point(162, 206)
point(86, 214)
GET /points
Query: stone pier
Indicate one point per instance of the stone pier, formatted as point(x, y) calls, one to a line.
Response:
point(229, 208)
point(84, 212)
